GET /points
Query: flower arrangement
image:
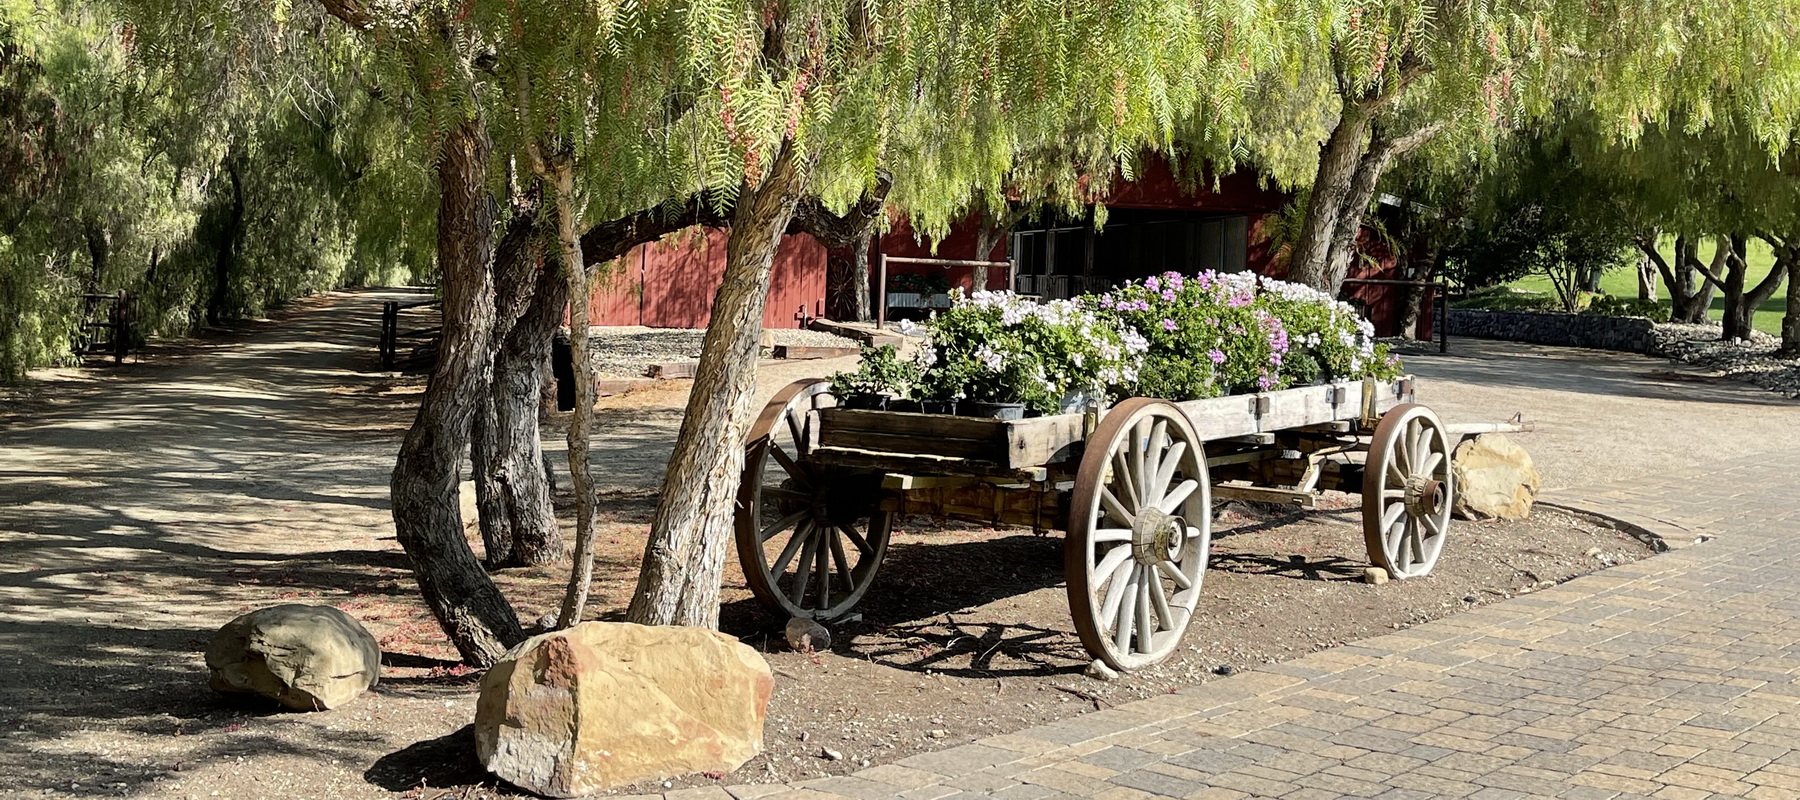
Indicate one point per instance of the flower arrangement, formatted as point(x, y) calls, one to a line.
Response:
point(996, 347)
point(1173, 336)
point(1225, 333)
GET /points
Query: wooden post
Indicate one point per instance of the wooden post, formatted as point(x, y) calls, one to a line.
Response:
point(1443, 304)
point(881, 291)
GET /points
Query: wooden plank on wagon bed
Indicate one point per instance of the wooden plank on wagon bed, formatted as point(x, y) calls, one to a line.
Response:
point(1042, 440)
point(1298, 408)
point(1222, 417)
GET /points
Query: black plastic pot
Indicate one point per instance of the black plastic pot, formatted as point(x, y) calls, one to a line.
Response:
point(972, 408)
point(938, 406)
point(867, 402)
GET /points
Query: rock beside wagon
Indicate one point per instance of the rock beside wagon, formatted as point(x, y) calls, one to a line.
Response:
point(1495, 478)
point(308, 658)
point(603, 705)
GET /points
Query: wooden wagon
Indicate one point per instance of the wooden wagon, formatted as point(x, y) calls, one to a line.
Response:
point(1132, 488)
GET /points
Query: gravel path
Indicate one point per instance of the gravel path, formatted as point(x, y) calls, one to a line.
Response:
point(1754, 360)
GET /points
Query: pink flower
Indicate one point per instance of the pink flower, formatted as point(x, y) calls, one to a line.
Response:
point(1168, 295)
point(1217, 356)
point(1168, 324)
point(1152, 284)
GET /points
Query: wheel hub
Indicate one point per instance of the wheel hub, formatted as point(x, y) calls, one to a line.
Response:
point(1154, 536)
point(1425, 496)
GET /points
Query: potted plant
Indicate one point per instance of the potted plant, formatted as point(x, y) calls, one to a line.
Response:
point(881, 379)
point(1000, 355)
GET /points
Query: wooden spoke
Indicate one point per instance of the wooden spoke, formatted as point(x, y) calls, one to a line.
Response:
point(803, 571)
point(1407, 491)
point(1113, 507)
point(1122, 473)
point(1127, 612)
point(782, 524)
point(789, 466)
point(1131, 591)
point(1171, 461)
point(823, 570)
point(1169, 571)
point(1169, 504)
point(856, 539)
point(802, 535)
point(842, 561)
point(1112, 535)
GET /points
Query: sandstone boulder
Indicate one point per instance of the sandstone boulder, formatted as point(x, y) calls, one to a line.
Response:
point(605, 704)
point(307, 658)
point(1495, 477)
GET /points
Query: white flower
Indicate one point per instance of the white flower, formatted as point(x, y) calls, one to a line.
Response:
point(990, 357)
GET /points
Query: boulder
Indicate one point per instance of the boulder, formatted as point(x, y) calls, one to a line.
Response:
point(1495, 477)
point(607, 704)
point(307, 658)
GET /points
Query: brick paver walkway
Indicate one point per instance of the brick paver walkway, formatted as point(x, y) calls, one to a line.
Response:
point(1672, 677)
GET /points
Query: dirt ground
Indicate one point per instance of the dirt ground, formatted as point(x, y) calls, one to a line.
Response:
point(142, 508)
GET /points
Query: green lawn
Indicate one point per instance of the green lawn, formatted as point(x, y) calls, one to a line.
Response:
point(1623, 283)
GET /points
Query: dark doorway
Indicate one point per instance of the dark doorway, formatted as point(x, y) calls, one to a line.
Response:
point(1063, 257)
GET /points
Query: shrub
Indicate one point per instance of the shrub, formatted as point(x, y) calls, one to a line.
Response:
point(1607, 305)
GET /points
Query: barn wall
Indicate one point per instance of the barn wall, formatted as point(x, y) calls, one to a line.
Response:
point(672, 283)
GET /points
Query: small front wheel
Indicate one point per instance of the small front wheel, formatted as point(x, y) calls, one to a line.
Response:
point(1407, 490)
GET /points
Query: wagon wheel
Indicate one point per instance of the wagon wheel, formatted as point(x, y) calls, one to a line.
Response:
point(809, 538)
point(1407, 487)
point(1140, 524)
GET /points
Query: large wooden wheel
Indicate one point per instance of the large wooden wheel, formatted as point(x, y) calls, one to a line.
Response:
point(1140, 525)
point(809, 538)
point(1407, 489)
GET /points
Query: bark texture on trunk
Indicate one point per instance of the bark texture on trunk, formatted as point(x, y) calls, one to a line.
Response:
point(1788, 260)
point(427, 515)
point(1309, 260)
point(1646, 275)
point(1382, 150)
point(512, 488)
point(581, 424)
point(692, 528)
point(1687, 301)
point(848, 238)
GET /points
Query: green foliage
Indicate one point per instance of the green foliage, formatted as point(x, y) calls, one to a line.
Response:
point(1000, 348)
point(919, 283)
point(1607, 305)
point(1224, 333)
point(1586, 225)
point(881, 372)
point(157, 174)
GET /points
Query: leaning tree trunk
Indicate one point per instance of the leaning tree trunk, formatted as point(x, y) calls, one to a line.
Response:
point(1735, 321)
point(692, 528)
point(1646, 280)
point(581, 423)
point(1339, 158)
point(427, 513)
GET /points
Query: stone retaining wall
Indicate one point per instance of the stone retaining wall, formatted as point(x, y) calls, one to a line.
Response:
point(1633, 334)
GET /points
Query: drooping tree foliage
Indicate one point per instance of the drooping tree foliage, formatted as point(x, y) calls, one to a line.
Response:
point(211, 187)
point(1397, 74)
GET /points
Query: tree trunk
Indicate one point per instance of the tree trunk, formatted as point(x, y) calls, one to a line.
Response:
point(512, 485)
point(1686, 302)
point(692, 528)
point(581, 424)
point(1339, 158)
point(1788, 259)
point(427, 514)
point(847, 281)
point(1646, 279)
point(218, 307)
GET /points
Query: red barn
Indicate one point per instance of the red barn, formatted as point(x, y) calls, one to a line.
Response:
point(1153, 225)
